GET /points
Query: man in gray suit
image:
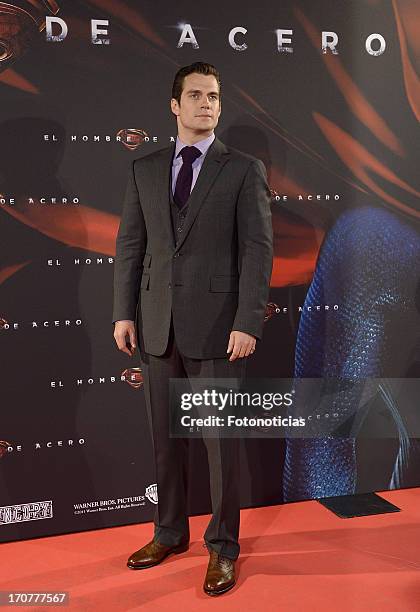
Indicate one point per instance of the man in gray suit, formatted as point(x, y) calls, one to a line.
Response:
point(193, 265)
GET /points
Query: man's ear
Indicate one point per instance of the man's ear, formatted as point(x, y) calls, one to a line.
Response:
point(174, 106)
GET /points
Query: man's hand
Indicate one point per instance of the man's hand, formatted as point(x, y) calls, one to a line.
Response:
point(123, 330)
point(241, 345)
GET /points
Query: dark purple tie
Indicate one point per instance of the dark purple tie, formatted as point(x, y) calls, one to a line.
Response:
point(184, 178)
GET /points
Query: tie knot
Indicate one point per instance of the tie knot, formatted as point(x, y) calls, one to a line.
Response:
point(190, 154)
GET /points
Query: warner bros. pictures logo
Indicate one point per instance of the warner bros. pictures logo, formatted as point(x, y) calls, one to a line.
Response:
point(152, 493)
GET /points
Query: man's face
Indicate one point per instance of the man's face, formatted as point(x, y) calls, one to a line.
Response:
point(200, 106)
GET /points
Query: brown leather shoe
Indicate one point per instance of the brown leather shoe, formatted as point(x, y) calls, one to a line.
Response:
point(153, 553)
point(220, 576)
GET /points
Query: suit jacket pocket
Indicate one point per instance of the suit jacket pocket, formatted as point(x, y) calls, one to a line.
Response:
point(224, 284)
point(145, 280)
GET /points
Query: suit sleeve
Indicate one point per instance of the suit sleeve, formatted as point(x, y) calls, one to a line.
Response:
point(255, 250)
point(130, 249)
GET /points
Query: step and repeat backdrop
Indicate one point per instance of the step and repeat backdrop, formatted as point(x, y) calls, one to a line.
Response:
point(327, 94)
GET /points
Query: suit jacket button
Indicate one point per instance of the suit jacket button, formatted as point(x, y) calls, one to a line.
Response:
point(169, 285)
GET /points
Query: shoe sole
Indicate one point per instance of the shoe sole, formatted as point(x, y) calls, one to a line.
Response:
point(215, 593)
point(175, 551)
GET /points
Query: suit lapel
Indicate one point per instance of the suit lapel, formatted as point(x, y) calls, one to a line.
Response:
point(162, 184)
point(217, 155)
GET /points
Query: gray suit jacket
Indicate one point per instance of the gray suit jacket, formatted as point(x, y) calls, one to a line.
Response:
point(216, 279)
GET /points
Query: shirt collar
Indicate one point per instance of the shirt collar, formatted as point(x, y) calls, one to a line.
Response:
point(202, 145)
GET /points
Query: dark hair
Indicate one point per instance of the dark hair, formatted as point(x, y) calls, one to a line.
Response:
point(200, 68)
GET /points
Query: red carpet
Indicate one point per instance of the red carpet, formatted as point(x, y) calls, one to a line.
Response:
point(297, 557)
